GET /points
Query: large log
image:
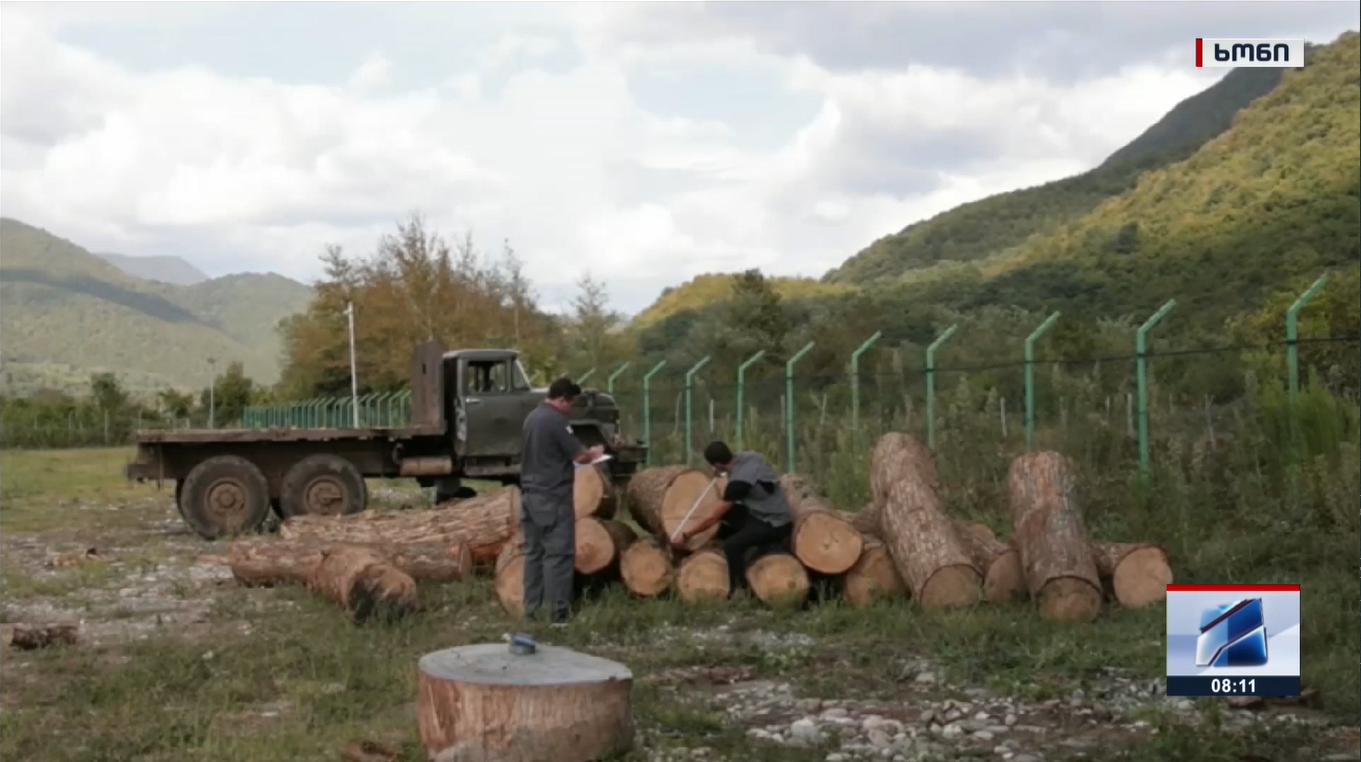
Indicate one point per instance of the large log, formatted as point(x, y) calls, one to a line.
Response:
point(703, 575)
point(593, 493)
point(778, 579)
point(822, 538)
point(509, 577)
point(866, 520)
point(646, 569)
point(925, 548)
point(483, 523)
point(872, 577)
point(999, 562)
point(599, 543)
point(274, 562)
point(364, 583)
point(645, 492)
point(1049, 533)
point(481, 703)
point(1137, 573)
point(660, 499)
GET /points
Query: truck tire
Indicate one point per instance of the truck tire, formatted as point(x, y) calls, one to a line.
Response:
point(223, 495)
point(326, 485)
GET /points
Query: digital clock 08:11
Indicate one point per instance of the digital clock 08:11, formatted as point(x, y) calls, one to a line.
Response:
point(1228, 685)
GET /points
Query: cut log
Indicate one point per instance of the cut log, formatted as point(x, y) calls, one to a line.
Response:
point(1137, 573)
point(703, 575)
point(925, 548)
point(599, 543)
point(365, 584)
point(866, 520)
point(646, 569)
point(483, 523)
point(999, 562)
point(823, 539)
point(872, 577)
point(482, 703)
point(1049, 533)
point(662, 501)
point(509, 579)
point(645, 493)
point(593, 494)
point(28, 637)
point(274, 562)
point(778, 579)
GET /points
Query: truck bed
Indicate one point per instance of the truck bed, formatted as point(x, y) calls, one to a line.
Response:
point(280, 434)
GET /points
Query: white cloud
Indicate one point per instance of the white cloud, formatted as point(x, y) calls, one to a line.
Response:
point(375, 71)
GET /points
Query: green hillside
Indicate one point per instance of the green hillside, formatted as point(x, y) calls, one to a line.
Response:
point(66, 313)
point(996, 224)
point(709, 288)
point(164, 269)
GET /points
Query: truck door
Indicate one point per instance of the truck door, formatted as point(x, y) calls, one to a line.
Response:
point(494, 410)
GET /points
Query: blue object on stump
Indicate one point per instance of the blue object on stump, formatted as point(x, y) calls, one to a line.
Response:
point(522, 644)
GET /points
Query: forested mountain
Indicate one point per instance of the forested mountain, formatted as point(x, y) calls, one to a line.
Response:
point(173, 270)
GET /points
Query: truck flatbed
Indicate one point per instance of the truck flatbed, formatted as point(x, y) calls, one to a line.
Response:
point(281, 434)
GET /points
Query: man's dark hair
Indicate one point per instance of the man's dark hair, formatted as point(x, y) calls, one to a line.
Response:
point(563, 388)
point(716, 453)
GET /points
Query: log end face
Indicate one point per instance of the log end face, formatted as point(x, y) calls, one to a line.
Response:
point(826, 542)
point(956, 586)
point(778, 579)
point(703, 577)
point(646, 568)
point(1142, 578)
point(1004, 581)
point(1069, 599)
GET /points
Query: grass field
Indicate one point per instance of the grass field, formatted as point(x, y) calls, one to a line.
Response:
point(177, 663)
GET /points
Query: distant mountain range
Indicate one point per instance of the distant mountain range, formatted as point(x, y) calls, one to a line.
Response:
point(66, 313)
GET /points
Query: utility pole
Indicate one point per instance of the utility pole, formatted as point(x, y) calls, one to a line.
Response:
point(354, 374)
point(212, 384)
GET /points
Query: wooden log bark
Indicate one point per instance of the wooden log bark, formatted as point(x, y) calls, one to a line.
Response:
point(509, 577)
point(646, 569)
point(999, 562)
point(645, 493)
point(822, 538)
point(664, 497)
point(599, 543)
point(866, 520)
point(926, 550)
point(593, 493)
point(483, 523)
point(482, 703)
point(703, 575)
point(364, 584)
point(271, 562)
point(1051, 536)
point(778, 579)
point(872, 577)
point(1135, 574)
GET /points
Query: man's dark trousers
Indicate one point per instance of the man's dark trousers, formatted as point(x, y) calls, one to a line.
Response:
point(741, 534)
point(549, 526)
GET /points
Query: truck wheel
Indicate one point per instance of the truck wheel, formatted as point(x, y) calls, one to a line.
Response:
point(224, 495)
point(326, 485)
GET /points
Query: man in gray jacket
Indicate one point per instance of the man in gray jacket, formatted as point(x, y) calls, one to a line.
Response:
point(754, 513)
point(547, 517)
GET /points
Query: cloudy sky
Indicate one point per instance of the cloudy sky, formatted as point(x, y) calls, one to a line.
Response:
point(644, 143)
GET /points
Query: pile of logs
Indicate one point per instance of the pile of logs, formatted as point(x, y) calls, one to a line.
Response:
point(901, 544)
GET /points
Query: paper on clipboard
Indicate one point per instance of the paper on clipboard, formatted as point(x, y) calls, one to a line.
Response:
point(597, 461)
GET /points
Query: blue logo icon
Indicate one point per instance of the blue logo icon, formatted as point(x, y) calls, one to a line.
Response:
point(1232, 635)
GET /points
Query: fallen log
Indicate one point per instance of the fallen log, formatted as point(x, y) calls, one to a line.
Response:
point(1049, 533)
point(872, 577)
point(364, 584)
point(822, 538)
point(264, 563)
point(926, 550)
point(483, 523)
point(599, 543)
point(999, 562)
point(866, 520)
point(661, 498)
point(1135, 574)
point(778, 579)
point(593, 493)
point(703, 575)
point(509, 577)
point(646, 569)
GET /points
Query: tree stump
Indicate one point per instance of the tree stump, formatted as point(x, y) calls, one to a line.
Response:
point(703, 575)
point(822, 538)
point(646, 569)
point(1049, 533)
point(661, 498)
point(509, 579)
point(483, 523)
point(593, 493)
point(778, 579)
point(364, 584)
point(599, 543)
point(265, 563)
point(999, 562)
point(481, 703)
point(925, 548)
point(1137, 574)
point(872, 577)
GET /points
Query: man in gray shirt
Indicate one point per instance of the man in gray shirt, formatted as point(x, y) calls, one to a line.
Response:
point(547, 517)
point(754, 513)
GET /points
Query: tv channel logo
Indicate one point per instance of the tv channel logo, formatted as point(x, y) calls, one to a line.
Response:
point(1233, 640)
point(1226, 53)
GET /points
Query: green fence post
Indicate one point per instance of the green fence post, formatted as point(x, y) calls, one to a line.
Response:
point(931, 385)
point(1292, 359)
point(1141, 378)
point(1030, 379)
point(789, 404)
point(741, 391)
point(689, 385)
point(609, 382)
point(647, 409)
point(855, 389)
